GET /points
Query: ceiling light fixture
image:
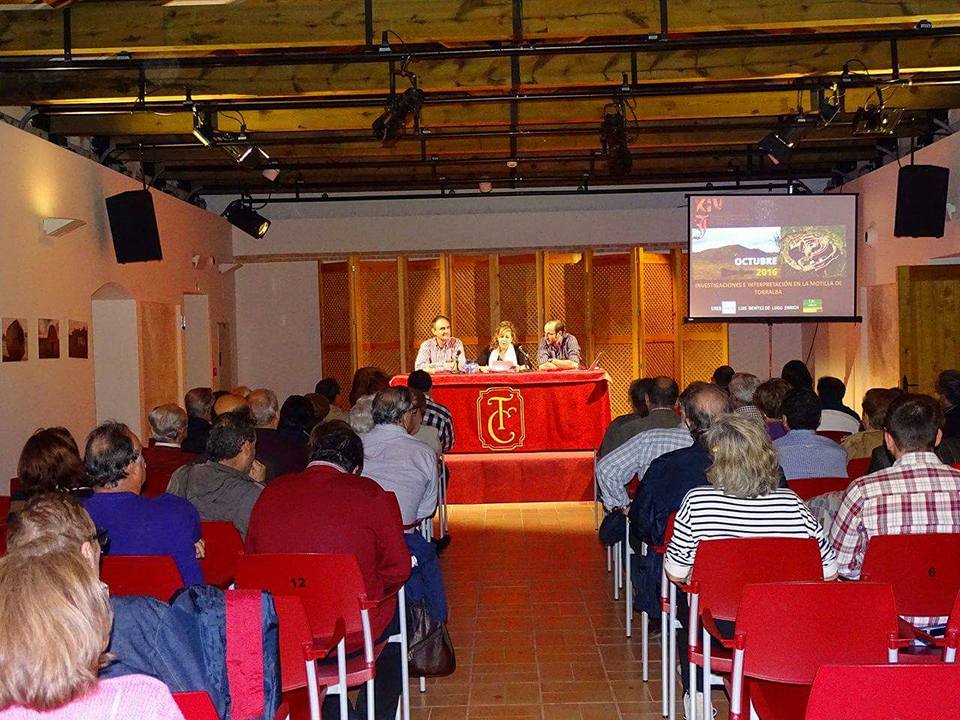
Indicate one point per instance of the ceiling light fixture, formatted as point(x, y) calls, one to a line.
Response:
point(205, 127)
point(876, 120)
point(614, 142)
point(57, 226)
point(401, 111)
point(241, 215)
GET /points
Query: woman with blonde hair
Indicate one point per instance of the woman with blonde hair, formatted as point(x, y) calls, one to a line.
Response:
point(504, 349)
point(53, 641)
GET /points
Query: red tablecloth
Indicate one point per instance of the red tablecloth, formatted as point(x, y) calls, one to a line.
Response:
point(520, 477)
point(524, 412)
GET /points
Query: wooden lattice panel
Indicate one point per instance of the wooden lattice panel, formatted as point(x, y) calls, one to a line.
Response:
point(657, 298)
point(611, 296)
point(470, 302)
point(618, 362)
point(423, 299)
point(336, 357)
point(566, 298)
point(701, 358)
point(658, 359)
point(518, 295)
point(378, 315)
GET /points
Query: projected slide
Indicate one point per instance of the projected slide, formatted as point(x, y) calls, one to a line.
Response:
point(759, 257)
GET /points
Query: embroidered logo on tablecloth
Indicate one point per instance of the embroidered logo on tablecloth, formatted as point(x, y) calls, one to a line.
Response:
point(500, 419)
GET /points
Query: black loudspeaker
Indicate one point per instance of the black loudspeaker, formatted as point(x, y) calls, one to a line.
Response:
point(921, 201)
point(133, 224)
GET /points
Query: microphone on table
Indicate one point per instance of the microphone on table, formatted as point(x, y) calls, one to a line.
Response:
point(456, 361)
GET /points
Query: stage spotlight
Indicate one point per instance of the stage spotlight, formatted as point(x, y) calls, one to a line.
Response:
point(401, 111)
point(614, 142)
point(876, 120)
point(271, 173)
point(777, 147)
point(205, 127)
point(244, 217)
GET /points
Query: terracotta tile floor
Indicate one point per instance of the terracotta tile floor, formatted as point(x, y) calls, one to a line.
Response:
point(537, 633)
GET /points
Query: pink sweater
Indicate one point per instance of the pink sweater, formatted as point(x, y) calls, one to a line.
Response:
point(131, 697)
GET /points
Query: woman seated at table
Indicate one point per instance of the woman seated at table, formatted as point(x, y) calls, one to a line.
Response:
point(503, 350)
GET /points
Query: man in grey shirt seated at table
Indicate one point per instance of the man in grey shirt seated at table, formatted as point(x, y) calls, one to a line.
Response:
point(558, 350)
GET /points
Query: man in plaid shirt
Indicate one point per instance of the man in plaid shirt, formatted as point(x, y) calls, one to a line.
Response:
point(917, 494)
point(436, 415)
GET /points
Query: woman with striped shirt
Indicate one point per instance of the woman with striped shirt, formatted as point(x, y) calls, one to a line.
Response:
point(741, 500)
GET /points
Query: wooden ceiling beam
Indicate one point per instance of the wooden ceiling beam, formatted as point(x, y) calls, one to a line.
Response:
point(144, 27)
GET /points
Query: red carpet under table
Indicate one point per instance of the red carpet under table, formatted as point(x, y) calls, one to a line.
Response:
point(520, 477)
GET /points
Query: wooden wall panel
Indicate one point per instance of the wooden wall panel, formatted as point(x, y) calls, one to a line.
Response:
point(612, 324)
point(659, 313)
point(336, 325)
point(378, 315)
point(470, 302)
point(517, 282)
point(703, 345)
point(565, 286)
point(161, 358)
point(424, 302)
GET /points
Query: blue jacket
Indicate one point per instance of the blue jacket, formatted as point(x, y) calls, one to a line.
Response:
point(183, 644)
point(426, 583)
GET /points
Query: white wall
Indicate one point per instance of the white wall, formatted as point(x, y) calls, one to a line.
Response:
point(750, 347)
point(867, 355)
point(278, 327)
point(198, 370)
point(44, 277)
point(116, 370)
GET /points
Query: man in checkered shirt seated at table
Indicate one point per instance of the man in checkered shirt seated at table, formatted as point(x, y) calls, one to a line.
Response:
point(917, 494)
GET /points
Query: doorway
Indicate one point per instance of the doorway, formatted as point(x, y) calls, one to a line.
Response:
point(929, 299)
point(225, 372)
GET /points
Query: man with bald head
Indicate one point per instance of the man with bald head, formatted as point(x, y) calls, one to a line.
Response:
point(558, 350)
point(230, 403)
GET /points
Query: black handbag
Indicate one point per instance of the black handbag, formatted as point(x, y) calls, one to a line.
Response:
point(429, 647)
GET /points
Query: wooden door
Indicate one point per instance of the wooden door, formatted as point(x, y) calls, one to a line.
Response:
point(161, 359)
point(929, 318)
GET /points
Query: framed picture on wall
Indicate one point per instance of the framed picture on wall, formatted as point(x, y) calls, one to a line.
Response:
point(48, 339)
point(14, 339)
point(78, 341)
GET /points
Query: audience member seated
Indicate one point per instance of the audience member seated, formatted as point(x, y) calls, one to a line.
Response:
point(666, 481)
point(803, 453)
point(835, 415)
point(199, 405)
point(229, 403)
point(278, 453)
point(624, 427)
point(661, 431)
point(742, 388)
point(722, 376)
point(168, 425)
point(330, 508)
point(136, 525)
point(330, 389)
point(436, 417)
point(876, 401)
point(361, 415)
point(297, 419)
point(321, 406)
point(741, 499)
point(367, 381)
point(918, 494)
point(398, 462)
point(241, 391)
point(49, 462)
point(948, 390)
point(53, 641)
point(768, 398)
point(221, 488)
point(797, 375)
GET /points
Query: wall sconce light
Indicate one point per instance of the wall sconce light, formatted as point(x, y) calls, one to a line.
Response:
point(57, 226)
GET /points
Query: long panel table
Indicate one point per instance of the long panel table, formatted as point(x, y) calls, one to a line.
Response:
point(557, 411)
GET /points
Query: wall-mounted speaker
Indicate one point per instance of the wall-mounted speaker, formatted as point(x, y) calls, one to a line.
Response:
point(133, 225)
point(921, 201)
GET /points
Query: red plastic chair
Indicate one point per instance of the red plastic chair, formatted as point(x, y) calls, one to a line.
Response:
point(668, 616)
point(786, 631)
point(857, 467)
point(720, 571)
point(838, 436)
point(14, 485)
point(331, 588)
point(196, 705)
point(3, 537)
point(154, 575)
point(808, 488)
point(4, 507)
point(924, 571)
point(223, 548)
point(904, 692)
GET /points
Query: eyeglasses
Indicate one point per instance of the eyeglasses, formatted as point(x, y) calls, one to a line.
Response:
point(102, 538)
